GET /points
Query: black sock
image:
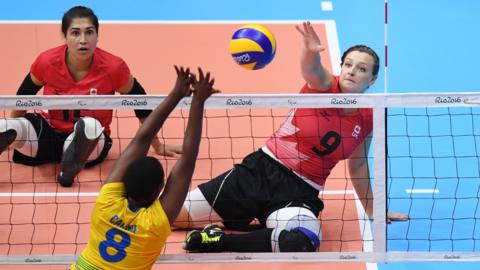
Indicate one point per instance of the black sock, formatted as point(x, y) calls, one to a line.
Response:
point(256, 241)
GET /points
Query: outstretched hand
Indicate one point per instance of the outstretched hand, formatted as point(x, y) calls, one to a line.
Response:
point(393, 216)
point(184, 80)
point(310, 37)
point(203, 88)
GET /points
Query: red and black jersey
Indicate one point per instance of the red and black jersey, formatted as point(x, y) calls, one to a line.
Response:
point(107, 74)
point(312, 141)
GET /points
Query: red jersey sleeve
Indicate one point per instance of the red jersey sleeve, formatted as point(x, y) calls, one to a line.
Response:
point(120, 74)
point(334, 89)
point(39, 68)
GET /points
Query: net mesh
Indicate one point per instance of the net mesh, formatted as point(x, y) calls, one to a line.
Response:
point(431, 173)
point(434, 176)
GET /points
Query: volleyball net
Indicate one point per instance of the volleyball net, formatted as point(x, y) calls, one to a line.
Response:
point(424, 162)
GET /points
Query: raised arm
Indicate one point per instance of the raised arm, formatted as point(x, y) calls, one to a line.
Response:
point(140, 144)
point(180, 177)
point(313, 71)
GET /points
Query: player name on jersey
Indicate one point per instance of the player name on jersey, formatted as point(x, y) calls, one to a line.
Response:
point(117, 221)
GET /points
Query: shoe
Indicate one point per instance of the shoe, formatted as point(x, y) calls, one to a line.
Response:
point(76, 155)
point(207, 240)
point(7, 138)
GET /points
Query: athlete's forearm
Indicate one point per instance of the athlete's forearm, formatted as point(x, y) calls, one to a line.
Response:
point(152, 124)
point(180, 177)
point(361, 183)
point(312, 69)
point(194, 130)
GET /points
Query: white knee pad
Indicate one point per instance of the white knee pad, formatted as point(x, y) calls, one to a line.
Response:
point(93, 130)
point(26, 141)
point(199, 209)
point(290, 218)
point(98, 149)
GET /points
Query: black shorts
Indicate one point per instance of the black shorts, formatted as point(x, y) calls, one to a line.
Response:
point(50, 144)
point(256, 188)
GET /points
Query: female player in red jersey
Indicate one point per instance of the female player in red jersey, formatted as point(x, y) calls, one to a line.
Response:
point(280, 183)
point(76, 138)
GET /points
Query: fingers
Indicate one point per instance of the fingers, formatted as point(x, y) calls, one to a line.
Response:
point(300, 30)
point(203, 82)
point(202, 88)
point(308, 30)
point(204, 77)
point(400, 218)
point(180, 70)
point(305, 29)
point(201, 76)
point(193, 78)
point(308, 25)
point(397, 216)
point(392, 216)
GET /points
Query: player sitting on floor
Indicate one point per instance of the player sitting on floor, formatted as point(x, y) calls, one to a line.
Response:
point(280, 183)
point(75, 138)
point(130, 223)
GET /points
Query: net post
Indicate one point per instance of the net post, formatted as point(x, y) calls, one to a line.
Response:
point(379, 194)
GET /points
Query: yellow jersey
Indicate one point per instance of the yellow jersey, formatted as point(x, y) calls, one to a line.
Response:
point(121, 238)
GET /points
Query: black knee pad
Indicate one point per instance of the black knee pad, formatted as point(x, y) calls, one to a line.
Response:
point(294, 241)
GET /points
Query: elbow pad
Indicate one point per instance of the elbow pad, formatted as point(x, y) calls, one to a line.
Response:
point(137, 89)
point(28, 87)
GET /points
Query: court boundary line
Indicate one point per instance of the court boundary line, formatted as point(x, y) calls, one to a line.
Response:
point(366, 233)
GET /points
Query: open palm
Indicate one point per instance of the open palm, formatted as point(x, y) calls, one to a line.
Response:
point(310, 37)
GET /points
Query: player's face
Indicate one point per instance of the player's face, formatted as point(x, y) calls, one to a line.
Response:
point(356, 73)
point(81, 38)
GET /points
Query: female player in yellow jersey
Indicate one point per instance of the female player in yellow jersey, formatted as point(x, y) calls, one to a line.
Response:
point(130, 222)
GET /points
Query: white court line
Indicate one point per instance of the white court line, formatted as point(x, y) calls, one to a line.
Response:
point(422, 191)
point(333, 45)
point(94, 194)
point(372, 266)
point(326, 5)
point(366, 231)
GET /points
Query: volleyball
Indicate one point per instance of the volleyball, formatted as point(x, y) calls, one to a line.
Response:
point(253, 46)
